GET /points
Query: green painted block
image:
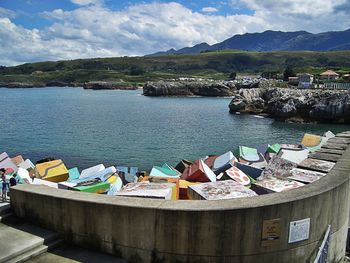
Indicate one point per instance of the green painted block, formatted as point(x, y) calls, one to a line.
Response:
point(97, 188)
point(274, 148)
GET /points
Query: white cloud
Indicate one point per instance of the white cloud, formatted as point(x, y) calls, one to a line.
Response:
point(310, 15)
point(87, 2)
point(236, 4)
point(312, 8)
point(20, 45)
point(95, 31)
point(7, 13)
point(209, 9)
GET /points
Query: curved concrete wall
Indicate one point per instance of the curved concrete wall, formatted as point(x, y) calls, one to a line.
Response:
point(148, 230)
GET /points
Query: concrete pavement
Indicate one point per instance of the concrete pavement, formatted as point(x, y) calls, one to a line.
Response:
point(21, 241)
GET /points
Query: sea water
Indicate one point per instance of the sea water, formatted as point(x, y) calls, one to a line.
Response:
point(86, 127)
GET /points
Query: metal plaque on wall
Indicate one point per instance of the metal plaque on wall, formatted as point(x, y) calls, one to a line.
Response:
point(271, 232)
point(299, 230)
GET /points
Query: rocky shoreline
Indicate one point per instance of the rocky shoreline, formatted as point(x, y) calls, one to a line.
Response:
point(294, 105)
point(105, 85)
point(93, 85)
point(14, 85)
point(190, 88)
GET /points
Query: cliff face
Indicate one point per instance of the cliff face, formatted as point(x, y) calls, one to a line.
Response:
point(189, 88)
point(328, 106)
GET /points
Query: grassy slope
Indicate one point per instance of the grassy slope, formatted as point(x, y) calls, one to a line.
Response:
point(137, 70)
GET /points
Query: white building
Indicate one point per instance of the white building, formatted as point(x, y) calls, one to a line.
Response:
point(305, 80)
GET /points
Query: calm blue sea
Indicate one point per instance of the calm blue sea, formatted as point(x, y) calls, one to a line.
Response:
point(85, 127)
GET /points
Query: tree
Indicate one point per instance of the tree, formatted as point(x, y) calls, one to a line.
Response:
point(269, 74)
point(136, 70)
point(323, 61)
point(233, 76)
point(288, 72)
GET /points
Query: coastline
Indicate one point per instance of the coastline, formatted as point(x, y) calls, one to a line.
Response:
point(262, 98)
point(94, 85)
point(295, 105)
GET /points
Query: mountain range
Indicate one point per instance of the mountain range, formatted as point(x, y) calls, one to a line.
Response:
point(273, 41)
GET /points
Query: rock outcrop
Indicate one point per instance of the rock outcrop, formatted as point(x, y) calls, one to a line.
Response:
point(324, 106)
point(105, 85)
point(14, 85)
point(189, 88)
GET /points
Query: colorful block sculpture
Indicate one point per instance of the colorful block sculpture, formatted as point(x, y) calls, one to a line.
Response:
point(148, 190)
point(219, 190)
point(6, 162)
point(93, 186)
point(53, 171)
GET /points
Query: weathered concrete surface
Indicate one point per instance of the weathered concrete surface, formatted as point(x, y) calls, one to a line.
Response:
point(73, 254)
point(146, 230)
point(19, 239)
point(325, 156)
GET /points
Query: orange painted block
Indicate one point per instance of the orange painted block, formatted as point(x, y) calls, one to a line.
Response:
point(176, 190)
point(183, 188)
point(17, 160)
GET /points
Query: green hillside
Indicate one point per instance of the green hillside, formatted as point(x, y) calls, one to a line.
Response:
point(138, 70)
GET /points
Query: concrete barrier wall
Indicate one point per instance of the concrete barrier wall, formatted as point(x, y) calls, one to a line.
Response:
point(149, 230)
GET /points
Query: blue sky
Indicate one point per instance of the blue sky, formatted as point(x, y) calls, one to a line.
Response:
point(28, 11)
point(37, 30)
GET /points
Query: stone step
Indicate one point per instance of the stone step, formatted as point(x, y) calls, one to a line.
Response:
point(23, 239)
point(335, 146)
point(5, 217)
point(340, 140)
point(344, 134)
point(27, 249)
point(325, 156)
point(333, 151)
point(4, 208)
point(37, 251)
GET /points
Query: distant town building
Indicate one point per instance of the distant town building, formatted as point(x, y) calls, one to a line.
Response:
point(346, 77)
point(302, 80)
point(329, 75)
point(305, 80)
point(37, 72)
point(293, 81)
point(269, 75)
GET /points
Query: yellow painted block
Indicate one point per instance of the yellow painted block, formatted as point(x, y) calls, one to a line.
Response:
point(310, 140)
point(185, 184)
point(53, 171)
point(175, 189)
point(112, 179)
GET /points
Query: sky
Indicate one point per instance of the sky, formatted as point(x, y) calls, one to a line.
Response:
point(41, 30)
